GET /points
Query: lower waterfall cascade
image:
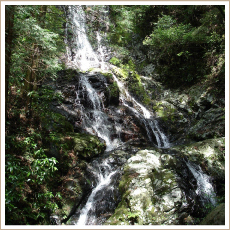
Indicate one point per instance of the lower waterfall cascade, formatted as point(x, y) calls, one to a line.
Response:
point(95, 119)
point(204, 189)
point(104, 179)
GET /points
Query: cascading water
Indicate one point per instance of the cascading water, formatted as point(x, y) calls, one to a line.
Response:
point(205, 190)
point(151, 125)
point(100, 49)
point(104, 175)
point(93, 118)
point(95, 121)
point(79, 51)
point(80, 54)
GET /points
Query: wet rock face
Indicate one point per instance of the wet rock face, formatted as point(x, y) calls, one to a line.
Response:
point(150, 193)
point(73, 150)
point(192, 114)
point(210, 155)
point(104, 200)
point(76, 105)
point(157, 186)
point(80, 145)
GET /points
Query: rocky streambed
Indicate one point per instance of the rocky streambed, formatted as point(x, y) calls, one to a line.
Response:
point(151, 185)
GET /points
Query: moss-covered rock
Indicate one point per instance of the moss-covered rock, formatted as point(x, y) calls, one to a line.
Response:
point(115, 61)
point(211, 124)
point(210, 155)
point(193, 113)
point(150, 195)
point(87, 145)
point(72, 150)
point(216, 216)
point(120, 73)
point(134, 84)
point(82, 145)
point(113, 93)
point(165, 110)
point(56, 123)
point(136, 87)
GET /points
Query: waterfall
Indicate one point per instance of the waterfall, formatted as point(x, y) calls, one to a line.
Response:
point(144, 115)
point(100, 49)
point(104, 176)
point(94, 119)
point(80, 54)
point(204, 190)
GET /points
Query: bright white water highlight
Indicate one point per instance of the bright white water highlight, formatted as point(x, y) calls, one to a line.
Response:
point(204, 189)
point(145, 115)
point(104, 179)
point(81, 54)
point(100, 49)
point(96, 120)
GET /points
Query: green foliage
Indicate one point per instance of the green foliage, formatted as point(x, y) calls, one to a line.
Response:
point(36, 41)
point(127, 20)
point(115, 61)
point(183, 42)
point(165, 22)
point(29, 180)
point(121, 25)
point(28, 171)
point(181, 47)
point(167, 36)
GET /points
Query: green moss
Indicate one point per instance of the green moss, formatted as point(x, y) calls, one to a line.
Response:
point(119, 217)
point(87, 145)
point(125, 180)
point(165, 111)
point(127, 72)
point(84, 145)
point(136, 87)
point(120, 73)
point(113, 92)
point(115, 61)
point(56, 122)
point(108, 75)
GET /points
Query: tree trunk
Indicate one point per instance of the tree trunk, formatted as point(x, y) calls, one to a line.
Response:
point(31, 79)
point(9, 23)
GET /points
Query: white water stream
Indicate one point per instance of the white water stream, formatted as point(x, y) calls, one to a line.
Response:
point(145, 115)
point(204, 189)
point(95, 120)
point(81, 55)
point(104, 179)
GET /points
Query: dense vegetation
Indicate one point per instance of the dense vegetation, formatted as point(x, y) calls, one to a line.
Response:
point(186, 44)
point(33, 44)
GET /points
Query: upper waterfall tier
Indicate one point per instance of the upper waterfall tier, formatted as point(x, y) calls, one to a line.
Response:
point(80, 53)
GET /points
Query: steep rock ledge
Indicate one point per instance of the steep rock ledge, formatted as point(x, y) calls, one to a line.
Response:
point(155, 188)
